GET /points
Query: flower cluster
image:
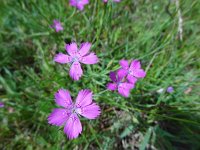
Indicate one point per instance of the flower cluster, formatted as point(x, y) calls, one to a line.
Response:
point(126, 77)
point(83, 106)
point(123, 79)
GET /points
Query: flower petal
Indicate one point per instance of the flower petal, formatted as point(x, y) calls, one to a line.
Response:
point(58, 116)
point(71, 49)
point(91, 111)
point(113, 76)
point(124, 63)
point(90, 59)
point(84, 2)
point(121, 73)
point(112, 86)
point(75, 71)
point(57, 25)
point(56, 22)
point(1, 104)
point(62, 58)
point(131, 79)
point(135, 64)
point(73, 127)
point(124, 89)
point(73, 3)
point(63, 98)
point(80, 6)
point(84, 98)
point(139, 73)
point(58, 28)
point(85, 48)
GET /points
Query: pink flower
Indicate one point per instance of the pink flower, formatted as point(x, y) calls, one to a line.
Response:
point(76, 57)
point(133, 72)
point(1, 104)
point(118, 84)
point(57, 25)
point(68, 115)
point(79, 4)
point(105, 1)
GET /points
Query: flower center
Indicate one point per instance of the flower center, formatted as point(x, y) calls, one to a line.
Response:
point(77, 1)
point(76, 109)
point(75, 59)
point(73, 110)
point(118, 83)
point(130, 72)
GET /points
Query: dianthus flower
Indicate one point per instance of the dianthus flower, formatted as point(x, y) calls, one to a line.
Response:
point(119, 84)
point(79, 4)
point(133, 72)
point(76, 57)
point(69, 114)
point(1, 104)
point(57, 26)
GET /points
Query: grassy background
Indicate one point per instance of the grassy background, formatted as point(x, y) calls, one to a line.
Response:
point(139, 29)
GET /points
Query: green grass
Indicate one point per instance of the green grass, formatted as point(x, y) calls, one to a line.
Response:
point(139, 29)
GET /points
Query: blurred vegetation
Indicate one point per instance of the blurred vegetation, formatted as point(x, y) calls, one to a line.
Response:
point(139, 29)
